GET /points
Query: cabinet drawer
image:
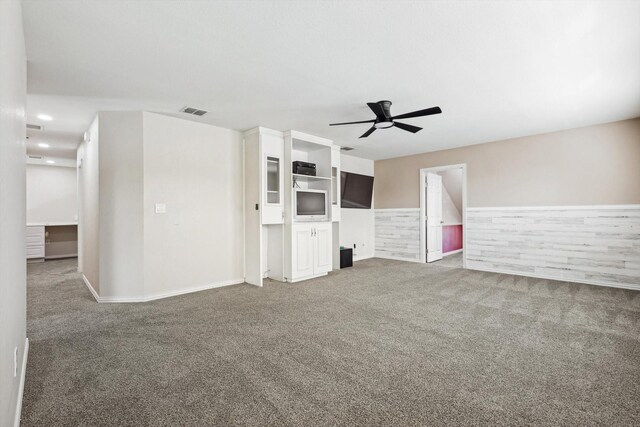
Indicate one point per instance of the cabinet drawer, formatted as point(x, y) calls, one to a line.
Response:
point(35, 240)
point(35, 252)
point(35, 230)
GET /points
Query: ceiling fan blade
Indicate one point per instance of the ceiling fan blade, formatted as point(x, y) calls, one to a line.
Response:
point(407, 127)
point(352, 123)
point(419, 113)
point(369, 132)
point(377, 109)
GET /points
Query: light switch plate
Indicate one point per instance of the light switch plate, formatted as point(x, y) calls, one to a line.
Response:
point(161, 208)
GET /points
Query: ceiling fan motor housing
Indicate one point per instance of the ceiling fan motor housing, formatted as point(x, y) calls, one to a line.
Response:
point(386, 122)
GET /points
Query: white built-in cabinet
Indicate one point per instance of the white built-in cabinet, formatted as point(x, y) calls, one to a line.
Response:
point(312, 250)
point(35, 242)
point(276, 245)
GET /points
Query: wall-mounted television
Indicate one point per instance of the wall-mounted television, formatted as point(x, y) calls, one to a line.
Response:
point(356, 190)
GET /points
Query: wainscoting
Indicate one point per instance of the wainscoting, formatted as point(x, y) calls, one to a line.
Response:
point(398, 234)
point(588, 244)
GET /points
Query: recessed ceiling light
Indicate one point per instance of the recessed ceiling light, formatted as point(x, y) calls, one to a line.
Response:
point(45, 117)
point(51, 162)
point(43, 145)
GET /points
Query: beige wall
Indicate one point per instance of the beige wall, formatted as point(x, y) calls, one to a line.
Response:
point(13, 89)
point(592, 165)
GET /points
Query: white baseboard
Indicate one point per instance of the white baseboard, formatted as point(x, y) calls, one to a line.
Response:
point(93, 291)
point(161, 295)
point(360, 258)
point(395, 258)
point(560, 279)
point(23, 377)
point(457, 251)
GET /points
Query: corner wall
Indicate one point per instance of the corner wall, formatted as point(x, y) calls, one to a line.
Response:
point(13, 89)
point(136, 160)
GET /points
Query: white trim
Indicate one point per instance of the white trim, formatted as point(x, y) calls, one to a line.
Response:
point(423, 230)
point(396, 258)
point(260, 129)
point(93, 291)
point(356, 259)
point(294, 134)
point(23, 376)
point(396, 209)
point(162, 294)
point(560, 279)
point(457, 251)
point(547, 208)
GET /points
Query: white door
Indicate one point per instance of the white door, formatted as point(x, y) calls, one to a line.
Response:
point(322, 236)
point(302, 254)
point(434, 217)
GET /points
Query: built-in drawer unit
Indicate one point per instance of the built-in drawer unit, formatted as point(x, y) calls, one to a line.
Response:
point(35, 241)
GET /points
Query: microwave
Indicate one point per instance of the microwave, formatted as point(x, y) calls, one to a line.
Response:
point(310, 205)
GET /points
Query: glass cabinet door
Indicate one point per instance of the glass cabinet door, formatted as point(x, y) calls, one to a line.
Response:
point(273, 180)
point(334, 186)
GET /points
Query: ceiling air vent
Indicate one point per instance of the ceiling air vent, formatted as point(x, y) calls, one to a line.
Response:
point(193, 111)
point(346, 148)
point(34, 127)
point(31, 156)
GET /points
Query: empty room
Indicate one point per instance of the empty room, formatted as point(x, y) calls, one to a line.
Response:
point(301, 213)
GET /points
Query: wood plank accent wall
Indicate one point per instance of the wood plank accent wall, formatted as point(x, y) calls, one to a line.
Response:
point(398, 233)
point(588, 244)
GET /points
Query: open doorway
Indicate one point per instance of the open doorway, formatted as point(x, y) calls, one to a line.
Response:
point(443, 204)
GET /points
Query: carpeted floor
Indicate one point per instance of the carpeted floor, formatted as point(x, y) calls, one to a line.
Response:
point(383, 343)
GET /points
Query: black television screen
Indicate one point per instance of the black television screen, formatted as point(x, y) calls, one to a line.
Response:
point(356, 190)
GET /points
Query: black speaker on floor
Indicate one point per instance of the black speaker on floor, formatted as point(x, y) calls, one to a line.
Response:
point(346, 257)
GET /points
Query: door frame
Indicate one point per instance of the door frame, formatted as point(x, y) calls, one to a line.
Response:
point(423, 206)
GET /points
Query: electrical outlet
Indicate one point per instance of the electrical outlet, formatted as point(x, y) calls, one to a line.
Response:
point(15, 362)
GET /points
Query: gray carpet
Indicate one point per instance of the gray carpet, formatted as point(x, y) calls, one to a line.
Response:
point(382, 343)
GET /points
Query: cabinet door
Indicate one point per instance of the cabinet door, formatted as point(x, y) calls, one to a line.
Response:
point(302, 259)
point(272, 150)
point(322, 259)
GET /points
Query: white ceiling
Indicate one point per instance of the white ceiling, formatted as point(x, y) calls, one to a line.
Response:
point(497, 69)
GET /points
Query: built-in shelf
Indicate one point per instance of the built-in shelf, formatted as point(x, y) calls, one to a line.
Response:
point(300, 177)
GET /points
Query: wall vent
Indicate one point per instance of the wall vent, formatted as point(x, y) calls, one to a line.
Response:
point(346, 148)
point(34, 127)
point(193, 111)
point(31, 156)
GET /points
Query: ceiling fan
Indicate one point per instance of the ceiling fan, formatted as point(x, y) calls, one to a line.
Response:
point(384, 119)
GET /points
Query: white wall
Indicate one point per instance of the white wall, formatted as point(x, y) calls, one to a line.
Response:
point(450, 214)
point(121, 199)
point(52, 194)
point(196, 170)
point(135, 160)
point(357, 226)
point(13, 87)
point(88, 206)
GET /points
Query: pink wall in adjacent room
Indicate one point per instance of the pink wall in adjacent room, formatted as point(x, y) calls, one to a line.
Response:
point(451, 238)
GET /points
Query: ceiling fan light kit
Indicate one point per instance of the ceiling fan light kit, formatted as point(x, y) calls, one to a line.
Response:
point(384, 119)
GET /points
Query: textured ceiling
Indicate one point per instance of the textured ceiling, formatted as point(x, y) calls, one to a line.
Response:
point(497, 69)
